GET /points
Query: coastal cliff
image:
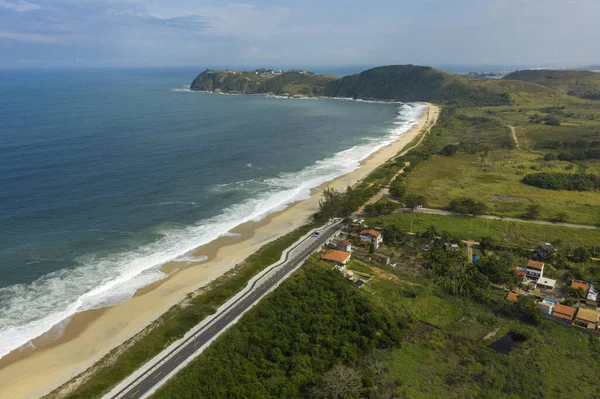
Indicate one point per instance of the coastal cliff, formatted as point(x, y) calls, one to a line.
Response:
point(406, 83)
point(290, 83)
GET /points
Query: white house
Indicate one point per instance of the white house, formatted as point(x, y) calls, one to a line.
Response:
point(545, 283)
point(371, 236)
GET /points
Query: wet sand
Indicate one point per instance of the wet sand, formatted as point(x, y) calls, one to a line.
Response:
point(90, 335)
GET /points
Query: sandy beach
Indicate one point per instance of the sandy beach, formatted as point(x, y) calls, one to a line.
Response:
point(90, 335)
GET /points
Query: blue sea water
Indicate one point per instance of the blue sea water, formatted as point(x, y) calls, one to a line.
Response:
point(107, 174)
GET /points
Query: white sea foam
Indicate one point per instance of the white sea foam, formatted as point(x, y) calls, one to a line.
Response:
point(190, 258)
point(30, 310)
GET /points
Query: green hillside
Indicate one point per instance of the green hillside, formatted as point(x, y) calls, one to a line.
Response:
point(583, 84)
point(393, 83)
point(290, 83)
point(418, 83)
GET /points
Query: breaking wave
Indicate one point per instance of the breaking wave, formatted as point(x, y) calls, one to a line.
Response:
point(29, 310)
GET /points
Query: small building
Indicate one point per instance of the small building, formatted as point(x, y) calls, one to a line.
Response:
point(545, 307)
point(511, 296)
point(344, 245)
point(338, 257)
point(545, 283)
point(563, 312)
point(451, 247)
point(592, 296)
point(534, 269)
point(587, 318)
point(425, 248)
point(577, 284)
point(544, 250)
point(372, 236)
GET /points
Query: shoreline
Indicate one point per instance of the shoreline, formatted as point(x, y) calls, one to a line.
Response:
point(90, 335)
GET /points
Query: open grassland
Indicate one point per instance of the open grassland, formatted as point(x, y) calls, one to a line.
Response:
point(443, 178)
point(503, 232)
point(487, 166)
point(445, 351)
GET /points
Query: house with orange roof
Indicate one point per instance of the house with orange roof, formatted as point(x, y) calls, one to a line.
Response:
point(564, 312)
point(511, 296)
point(534, 269)
point(340, 258)
point(371, 236)
point(576, 284)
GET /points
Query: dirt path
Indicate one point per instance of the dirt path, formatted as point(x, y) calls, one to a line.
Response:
point(433, 112)
point(506, 219)
point(513, 132)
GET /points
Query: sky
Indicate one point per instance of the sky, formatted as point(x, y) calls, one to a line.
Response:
point(269, 33)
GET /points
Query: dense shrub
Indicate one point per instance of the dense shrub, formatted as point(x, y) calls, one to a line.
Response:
point(563, 181)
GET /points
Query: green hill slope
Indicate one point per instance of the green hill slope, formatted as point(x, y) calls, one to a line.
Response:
point(418, 83)
point(290, 83)
point(393, 83)
point(583, 84)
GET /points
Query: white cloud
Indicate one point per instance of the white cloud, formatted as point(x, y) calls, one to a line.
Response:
point(20, 5)
point(28, 37)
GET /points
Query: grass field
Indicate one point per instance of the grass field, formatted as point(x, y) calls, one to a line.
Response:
point(507, 233)
point(445, 352)
point(495, 177)
point(442, 178)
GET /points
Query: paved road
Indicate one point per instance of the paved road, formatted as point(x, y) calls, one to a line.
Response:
point(506, 219)
point(156, 376)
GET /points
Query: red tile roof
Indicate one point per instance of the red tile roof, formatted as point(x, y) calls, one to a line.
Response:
point(345, 242)
point(336, 256)
point(535, 265)
point(519, 272)
point(371, 232)
point(511, 296)
point(580, 284)
point(563, 312)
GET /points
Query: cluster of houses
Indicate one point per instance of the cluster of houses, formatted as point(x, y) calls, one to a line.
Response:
point(533, 277)
point(579, 317)
point(341, 255)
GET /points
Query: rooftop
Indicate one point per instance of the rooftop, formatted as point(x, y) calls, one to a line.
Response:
point(547, 282)
point(532, 264)
point(564, 312)
point(511, 296)
point(580, 284)
point(589, 315)
point(336, 256)
point(345, 242)
point(371, 232)
point(519, 272)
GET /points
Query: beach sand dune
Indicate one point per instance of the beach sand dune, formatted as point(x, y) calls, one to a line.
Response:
point(91, 335)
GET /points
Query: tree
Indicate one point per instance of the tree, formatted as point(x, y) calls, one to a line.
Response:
point(340, 382)
point(431, 232)
point(486, 243)
point(533, 211)
point(576, 292)
point(581, 255)
point(413, 200)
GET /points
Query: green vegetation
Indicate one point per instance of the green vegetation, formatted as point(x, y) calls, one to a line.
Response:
point(563, 181)
point(583, 84)
point(288, 83)
point(171, 326)
point(504, 233)
point(292, 344)
point(417, 83)
point(393, 83)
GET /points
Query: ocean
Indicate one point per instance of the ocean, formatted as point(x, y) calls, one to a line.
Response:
point(107, 174)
